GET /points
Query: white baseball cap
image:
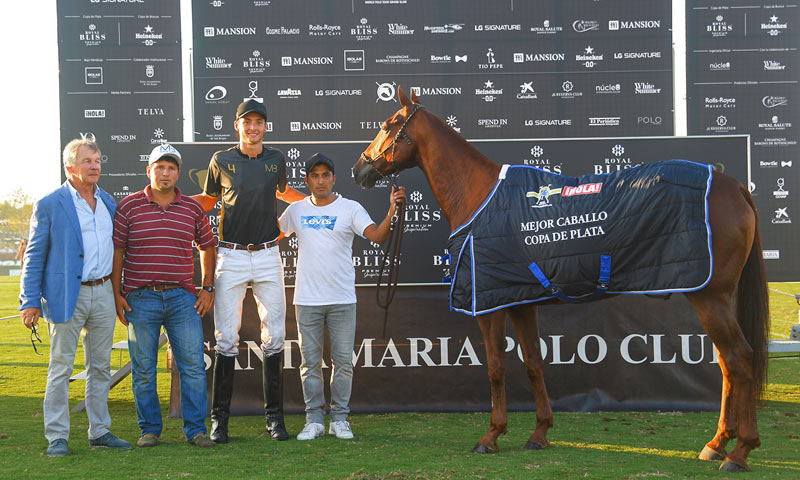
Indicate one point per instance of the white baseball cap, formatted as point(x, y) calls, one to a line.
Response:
point(164, 151)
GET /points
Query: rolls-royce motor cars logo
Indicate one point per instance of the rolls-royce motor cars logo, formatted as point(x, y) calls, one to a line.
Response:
point(324, 30)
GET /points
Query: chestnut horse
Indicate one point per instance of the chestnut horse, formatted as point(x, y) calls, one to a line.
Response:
point(732, 307)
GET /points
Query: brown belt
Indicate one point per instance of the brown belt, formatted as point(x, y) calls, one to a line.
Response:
point(92, 283)
point(250, 247)
point(160, 287)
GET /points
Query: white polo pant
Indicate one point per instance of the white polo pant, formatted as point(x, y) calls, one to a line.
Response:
point(235, 269)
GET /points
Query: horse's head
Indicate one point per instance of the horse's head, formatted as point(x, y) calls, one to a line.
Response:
point(392, 149)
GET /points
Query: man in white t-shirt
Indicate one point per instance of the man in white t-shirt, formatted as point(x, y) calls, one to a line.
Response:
point(325, 294)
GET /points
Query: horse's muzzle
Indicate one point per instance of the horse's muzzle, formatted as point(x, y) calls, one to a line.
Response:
point(363, 173)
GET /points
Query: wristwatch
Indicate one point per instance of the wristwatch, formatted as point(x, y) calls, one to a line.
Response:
point(208, 288)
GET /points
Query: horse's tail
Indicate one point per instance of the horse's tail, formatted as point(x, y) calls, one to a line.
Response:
point(752, 305)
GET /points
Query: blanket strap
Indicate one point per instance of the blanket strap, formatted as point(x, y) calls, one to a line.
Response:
point(599, 291)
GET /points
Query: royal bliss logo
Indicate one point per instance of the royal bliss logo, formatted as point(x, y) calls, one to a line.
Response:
point(538, 159)
point(614, 163)
point(363, 31)
point(255, 63)
point(92, 37)
point(719, 28)
point(420, 217)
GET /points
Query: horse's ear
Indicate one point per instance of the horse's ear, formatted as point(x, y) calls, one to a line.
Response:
point(401, 95)
point(414, 98)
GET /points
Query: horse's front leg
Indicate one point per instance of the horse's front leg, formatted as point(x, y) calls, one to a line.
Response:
point(493, 327)
point(524, 318)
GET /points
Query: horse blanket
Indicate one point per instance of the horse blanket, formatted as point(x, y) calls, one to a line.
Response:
point(540, 235)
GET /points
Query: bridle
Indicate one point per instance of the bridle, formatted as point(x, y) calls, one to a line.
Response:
point(401, 134)
point(396, 226)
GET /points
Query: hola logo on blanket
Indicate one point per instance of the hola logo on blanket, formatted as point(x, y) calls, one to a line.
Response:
point(543, 195)
point(585, 189)
point(318, 222)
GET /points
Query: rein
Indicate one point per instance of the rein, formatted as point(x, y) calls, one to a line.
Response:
point(391, 258)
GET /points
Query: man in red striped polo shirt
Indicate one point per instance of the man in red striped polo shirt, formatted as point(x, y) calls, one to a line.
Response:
point(153, 233)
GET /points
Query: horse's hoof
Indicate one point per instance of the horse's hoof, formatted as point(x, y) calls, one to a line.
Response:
point(534, 446)
point(729, 466)
point(709, 453)
point(481, 448)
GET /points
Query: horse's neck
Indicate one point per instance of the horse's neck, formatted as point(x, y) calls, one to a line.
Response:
point(459, 175)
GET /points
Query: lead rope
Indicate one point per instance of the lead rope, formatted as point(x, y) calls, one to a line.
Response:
point(391, 257)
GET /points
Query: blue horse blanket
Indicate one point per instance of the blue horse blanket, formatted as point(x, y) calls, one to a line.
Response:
point(540, 236)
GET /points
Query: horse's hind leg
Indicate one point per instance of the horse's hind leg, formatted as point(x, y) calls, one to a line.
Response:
point(738, 414)
point(726, 427)
point(493, 327)
point(524, 318)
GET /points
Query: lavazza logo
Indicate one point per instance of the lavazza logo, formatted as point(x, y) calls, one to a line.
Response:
point(289, 93)
point(217, 63)
point(229, 31)
point(719, 102)
point(540, 160)
point(324, 30)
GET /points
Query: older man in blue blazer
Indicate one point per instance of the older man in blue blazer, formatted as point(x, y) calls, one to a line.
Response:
point(65, 279)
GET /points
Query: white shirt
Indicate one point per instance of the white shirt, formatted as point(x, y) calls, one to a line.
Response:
point(96, 230)
point(325, 273)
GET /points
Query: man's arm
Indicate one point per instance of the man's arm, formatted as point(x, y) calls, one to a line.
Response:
point(208, 262)
point(116, 284)
point(207, 202)
point(290, 195)
point(380, 233)
point(30, 296)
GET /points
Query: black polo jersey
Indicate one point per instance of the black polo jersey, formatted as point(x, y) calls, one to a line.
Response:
point(249, 212)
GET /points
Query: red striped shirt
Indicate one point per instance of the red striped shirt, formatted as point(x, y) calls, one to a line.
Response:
point(158, 242)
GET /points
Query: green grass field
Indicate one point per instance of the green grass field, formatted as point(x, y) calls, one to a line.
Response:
point(392, 446)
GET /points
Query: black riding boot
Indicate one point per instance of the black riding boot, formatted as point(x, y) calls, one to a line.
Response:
point(221, 393)
point(272, 369)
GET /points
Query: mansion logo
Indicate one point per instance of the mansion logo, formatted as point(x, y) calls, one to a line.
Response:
point(363, 31)
point(774, 27)
point(546, 29)
point(583, 26)
point(770, 101)
point(92, 37)
point(282, 31)
point(526, 92)
point(645, 88)
point(217, 63)
point(446, 28)
point(149, 37)
point(719, 28)
point(773, 66)
point(488, 92)
point(255, 63)
point(520, 57)
point(588, 58)
point(719, 102)
point(318, 30)
point(354, 60)
point(634, 24)
point(436, 91)
point(294, 61)
point(399, 29)
point(229, 31)
point(567, 91)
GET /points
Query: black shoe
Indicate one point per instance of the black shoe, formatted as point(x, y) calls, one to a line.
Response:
point(272, 370)
point(221, 393)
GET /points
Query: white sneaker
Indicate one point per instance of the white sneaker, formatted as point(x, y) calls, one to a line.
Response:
point(311, 431)
point(341, 429)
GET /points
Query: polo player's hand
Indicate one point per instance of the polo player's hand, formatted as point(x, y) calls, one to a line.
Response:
point(204, 301)
point(30, 316)
point(122, 307)
point(398, 196)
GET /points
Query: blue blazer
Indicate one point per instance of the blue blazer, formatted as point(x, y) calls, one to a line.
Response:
point(51, 276)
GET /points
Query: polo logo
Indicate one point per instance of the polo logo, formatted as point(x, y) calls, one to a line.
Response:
point(585, 189)
point(318, 222)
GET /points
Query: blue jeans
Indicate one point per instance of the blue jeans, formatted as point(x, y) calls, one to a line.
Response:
point(174, 309)
point(341, 323)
